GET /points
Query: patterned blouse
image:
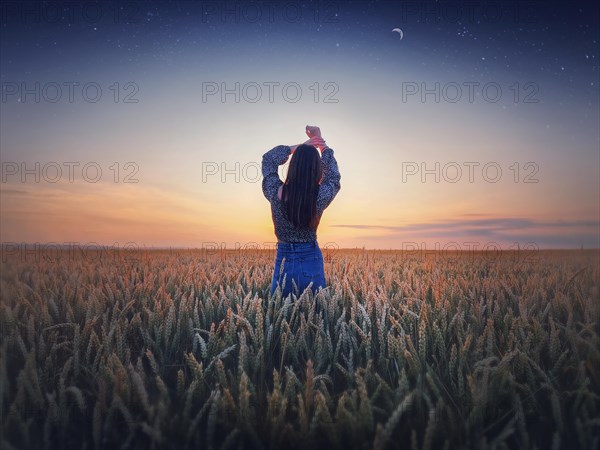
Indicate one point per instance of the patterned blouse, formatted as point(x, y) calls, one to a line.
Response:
point(330, 185)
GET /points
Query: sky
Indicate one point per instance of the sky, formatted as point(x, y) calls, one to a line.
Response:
point(473, 125)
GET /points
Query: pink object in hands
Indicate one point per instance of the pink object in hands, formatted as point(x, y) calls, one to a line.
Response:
point(313, 131)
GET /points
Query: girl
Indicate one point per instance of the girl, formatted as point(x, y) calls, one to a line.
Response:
point(311, 184)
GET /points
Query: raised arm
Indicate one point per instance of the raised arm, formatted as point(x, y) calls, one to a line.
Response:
point(270, 163)
point(330, 185)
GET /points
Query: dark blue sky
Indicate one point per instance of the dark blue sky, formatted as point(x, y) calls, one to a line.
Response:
point(552, 40)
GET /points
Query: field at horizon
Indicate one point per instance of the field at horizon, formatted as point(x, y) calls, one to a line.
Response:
point(168, 349)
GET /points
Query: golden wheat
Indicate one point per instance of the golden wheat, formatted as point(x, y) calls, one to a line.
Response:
point(187, 350)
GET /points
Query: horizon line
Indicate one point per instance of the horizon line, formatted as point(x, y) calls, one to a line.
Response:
point(6, 246)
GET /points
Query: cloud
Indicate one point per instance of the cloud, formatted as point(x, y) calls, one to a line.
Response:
point(13, 192)
point(482, 225)
point(544, 233)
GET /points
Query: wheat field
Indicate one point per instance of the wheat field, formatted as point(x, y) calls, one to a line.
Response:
point(184, 349)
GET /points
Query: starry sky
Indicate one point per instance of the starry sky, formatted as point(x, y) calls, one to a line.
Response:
point(146, 122)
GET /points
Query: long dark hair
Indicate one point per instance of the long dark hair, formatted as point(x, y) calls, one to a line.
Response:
point(299, 192)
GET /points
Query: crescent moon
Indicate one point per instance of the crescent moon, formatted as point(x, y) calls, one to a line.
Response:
point(399, 32)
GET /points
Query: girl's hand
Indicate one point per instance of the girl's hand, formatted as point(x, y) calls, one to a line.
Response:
point(317, 142)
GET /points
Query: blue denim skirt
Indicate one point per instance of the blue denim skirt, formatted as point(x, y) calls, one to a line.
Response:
point(302, 262)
